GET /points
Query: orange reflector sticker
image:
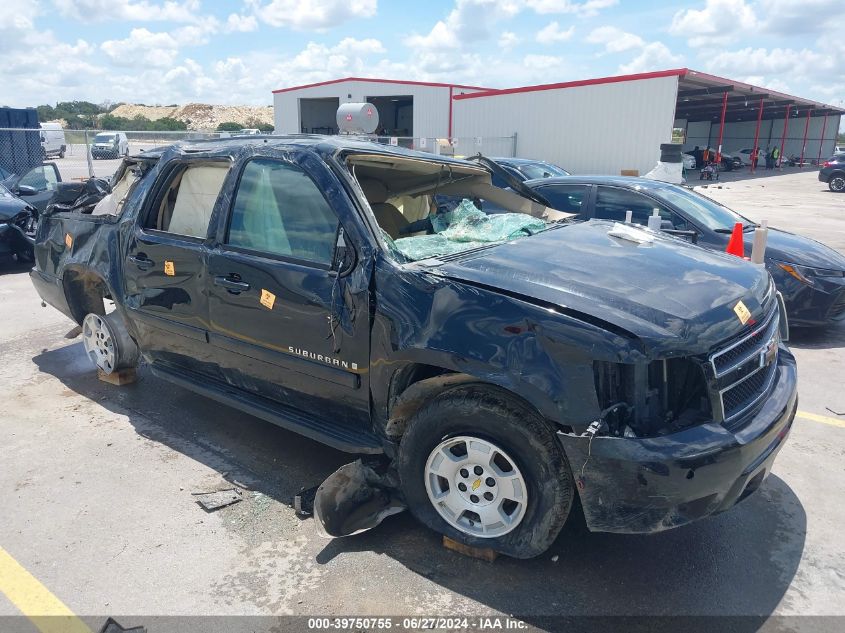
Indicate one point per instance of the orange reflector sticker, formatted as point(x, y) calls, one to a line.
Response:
point(68, 240)
point(742, 312)
point(169, 268)
point(268, 299)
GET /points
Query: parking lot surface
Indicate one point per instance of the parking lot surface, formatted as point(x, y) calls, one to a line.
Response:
point(97, 483)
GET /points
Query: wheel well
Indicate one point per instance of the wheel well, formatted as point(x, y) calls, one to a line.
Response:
point(85, 292)
point(417, 384)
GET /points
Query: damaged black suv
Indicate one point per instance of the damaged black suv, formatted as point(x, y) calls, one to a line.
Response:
point(503, 363)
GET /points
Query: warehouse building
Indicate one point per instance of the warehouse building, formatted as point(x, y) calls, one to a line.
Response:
point(603, 125)
point(405, 108)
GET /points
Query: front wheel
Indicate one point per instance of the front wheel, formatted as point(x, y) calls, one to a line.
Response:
point(837, 183)
point(485, 470)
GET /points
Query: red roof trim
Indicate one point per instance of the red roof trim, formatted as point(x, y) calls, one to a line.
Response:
point(380, 81)
point(678, 72)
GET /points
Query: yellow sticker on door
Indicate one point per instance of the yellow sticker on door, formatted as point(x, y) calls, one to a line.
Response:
point(68, 240)
point(742, 312)
point(169, 268)
point(268, 299)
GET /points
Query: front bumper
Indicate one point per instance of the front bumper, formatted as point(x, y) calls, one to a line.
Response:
point(644, 485)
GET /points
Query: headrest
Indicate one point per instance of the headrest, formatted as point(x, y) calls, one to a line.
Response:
point(374, 191)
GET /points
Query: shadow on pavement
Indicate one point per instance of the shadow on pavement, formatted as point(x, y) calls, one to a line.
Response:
point(830, 337)
point(738, 563)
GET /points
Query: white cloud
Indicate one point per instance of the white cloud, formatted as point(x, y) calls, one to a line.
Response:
point(508, 40)
point(720, 21)
point(551, 33)
point(777, 68)
point(241, 23)
point(470, 21)
point(614, 39)
point(584, 9)
point(311, 14)
point(161, 49)
point(142, 47)
point(788, 17)
point(653, 56)
point(134, 10)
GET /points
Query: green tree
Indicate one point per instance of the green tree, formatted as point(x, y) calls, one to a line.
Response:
point(229, 126)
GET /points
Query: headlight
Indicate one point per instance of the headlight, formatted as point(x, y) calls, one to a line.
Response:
point(806, 274)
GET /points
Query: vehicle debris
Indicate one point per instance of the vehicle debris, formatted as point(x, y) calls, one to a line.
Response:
point(113, 626)
point(211, 501)
point(303, 502)
point(356, 498)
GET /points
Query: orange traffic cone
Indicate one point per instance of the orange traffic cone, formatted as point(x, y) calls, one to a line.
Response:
point(735, 245)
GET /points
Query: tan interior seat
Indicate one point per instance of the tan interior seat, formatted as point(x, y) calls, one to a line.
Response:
point(389, 218)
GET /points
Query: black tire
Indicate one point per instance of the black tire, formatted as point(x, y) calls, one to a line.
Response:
point(493, 415)
point(836, 183)
point(62, 152)
point(728, 165)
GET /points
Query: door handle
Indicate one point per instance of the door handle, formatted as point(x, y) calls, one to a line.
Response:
point(141, 261)
point(232, 284)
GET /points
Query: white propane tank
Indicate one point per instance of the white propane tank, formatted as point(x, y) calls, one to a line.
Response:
point(357, 118)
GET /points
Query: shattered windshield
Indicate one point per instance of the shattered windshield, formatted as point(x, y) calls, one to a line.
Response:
point(465, 227)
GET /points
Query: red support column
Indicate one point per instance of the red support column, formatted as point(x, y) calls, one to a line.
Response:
point(821, 142)
point(804, 144)
point(721, 129)
point(785, 128)
point(755, 147)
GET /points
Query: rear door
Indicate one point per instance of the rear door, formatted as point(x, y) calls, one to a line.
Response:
point(285, 320)
point(165, 264)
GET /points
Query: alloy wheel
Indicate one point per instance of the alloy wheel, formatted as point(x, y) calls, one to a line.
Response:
point(476, 487)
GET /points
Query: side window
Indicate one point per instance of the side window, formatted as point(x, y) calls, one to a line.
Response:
point(186, 205)
point(568, 198)
point(279, 210)
point(612, 203)
point(41, 178)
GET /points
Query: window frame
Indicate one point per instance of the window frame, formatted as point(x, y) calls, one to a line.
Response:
point(172, 171)
point(223, 234)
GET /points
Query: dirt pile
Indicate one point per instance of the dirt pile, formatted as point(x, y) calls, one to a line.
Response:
point(199, 116)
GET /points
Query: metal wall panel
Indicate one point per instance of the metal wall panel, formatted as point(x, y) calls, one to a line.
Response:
point(600, 128)
point(740, 134)
point(431, 103)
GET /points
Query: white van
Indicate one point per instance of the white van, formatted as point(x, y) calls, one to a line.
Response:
point(53, 140)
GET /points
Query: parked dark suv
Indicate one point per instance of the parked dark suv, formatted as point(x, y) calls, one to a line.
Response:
point(833, 172)
point(503, 364)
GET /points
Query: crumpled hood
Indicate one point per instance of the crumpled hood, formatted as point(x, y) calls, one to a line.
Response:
point(675, 297)
point(795, 249)
point(10, 205)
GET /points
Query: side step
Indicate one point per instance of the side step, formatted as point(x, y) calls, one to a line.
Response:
point(335, 435)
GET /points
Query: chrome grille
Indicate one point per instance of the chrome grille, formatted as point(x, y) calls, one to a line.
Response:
point(744, 371)
point(741, 351)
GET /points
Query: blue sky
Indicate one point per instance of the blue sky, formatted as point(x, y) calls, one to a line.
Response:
point(236, 52)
